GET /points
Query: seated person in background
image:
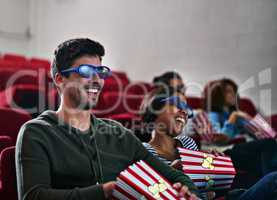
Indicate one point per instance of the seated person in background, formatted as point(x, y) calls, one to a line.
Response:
point(71, 154)
point(170, 79)
point(166, 115)
point(221, 103)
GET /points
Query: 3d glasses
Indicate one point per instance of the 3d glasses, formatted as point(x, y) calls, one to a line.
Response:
point(180, 104)
point(87, 71)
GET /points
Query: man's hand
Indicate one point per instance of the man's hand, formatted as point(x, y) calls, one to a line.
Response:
point(108, 189)
point(184, 192)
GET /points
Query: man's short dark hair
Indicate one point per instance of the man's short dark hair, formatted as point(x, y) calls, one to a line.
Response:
point(70, 50)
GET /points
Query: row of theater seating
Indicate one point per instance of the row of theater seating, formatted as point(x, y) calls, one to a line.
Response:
point(20, 61)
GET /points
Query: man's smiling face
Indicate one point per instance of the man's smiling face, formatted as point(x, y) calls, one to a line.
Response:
point(80, 92)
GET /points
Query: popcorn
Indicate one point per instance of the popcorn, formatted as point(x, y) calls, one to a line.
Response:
point(260, 128)
point(140, 181)
point(207, 171)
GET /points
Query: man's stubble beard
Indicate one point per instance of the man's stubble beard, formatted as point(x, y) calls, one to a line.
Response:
point(80, 101)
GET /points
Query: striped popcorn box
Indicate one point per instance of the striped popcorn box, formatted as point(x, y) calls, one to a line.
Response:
point(260, 128)
point(203, 127)
point(140, 181)
point(207, 171)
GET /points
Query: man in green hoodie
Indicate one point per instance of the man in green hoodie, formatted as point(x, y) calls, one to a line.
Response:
point(69, 154)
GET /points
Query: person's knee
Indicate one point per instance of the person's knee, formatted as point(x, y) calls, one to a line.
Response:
point(271, 179)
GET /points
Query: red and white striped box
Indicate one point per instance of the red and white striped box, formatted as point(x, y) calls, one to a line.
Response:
point(260, 128)
point(140, 181)
point(207, 171)
point(203, 127)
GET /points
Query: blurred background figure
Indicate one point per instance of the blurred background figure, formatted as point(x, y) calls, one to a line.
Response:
point(171, 79)
point(221, 102)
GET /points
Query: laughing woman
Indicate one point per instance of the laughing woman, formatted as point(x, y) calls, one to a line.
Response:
point(165, 116)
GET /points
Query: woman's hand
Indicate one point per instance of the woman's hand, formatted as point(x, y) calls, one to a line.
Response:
point(238, 114)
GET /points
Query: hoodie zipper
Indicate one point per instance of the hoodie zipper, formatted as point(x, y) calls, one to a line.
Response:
point(90, 160)
point(98, 162)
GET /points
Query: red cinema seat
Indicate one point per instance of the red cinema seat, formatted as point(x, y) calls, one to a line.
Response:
point(116, 82)
point(116, 103)
point(5, 141)
point(37, 63)
point(6, 64)
point(16, 60)
point(195, 102)
point(8, 188)
point(14, 57)
point(31, 98)
point(273, 120)
point(10, 77)
point(121, 75)
point(132, 103)
point(11, 64)
point(113, 103)
point(247, 105)
point(138, 88)
point(11, 120)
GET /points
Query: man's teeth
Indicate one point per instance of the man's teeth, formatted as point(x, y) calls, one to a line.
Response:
point(93, 90)
point(180, 119)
